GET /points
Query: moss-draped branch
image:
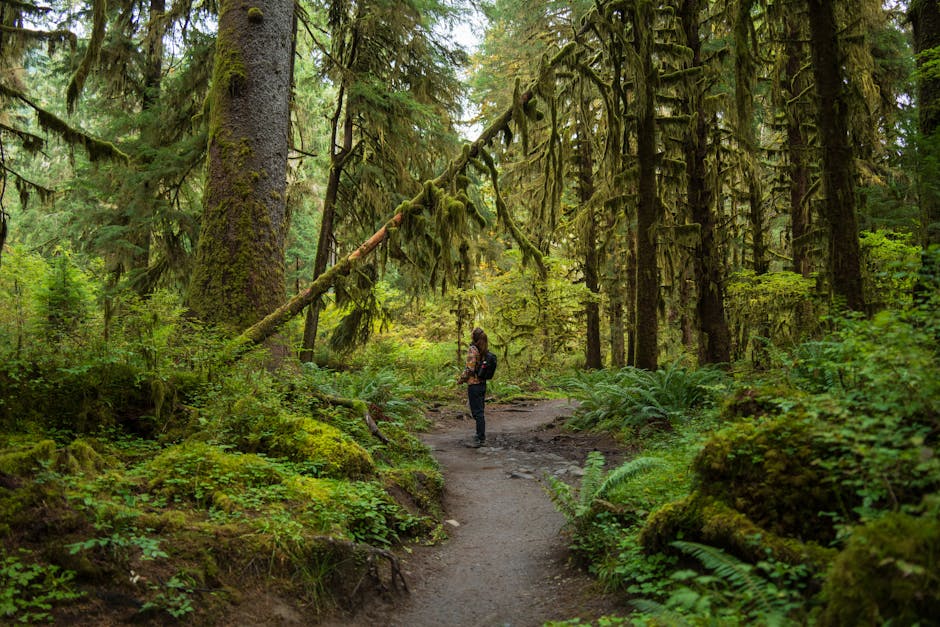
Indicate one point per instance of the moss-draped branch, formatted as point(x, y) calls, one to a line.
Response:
point(268, 326)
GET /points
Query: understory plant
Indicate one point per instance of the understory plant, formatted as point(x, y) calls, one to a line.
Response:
point(631, 397)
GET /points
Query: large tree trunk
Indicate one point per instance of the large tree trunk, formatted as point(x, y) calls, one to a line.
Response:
point(745, 74)
point(239, 268)
point(714, 340)
point(647, 268)
point(925, 19)
point(798, 146)
point(838, 157)
point(592, 352)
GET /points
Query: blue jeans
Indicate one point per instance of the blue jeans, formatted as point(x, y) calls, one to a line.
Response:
point(476, 394)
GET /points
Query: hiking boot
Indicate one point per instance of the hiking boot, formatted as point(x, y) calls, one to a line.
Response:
point(476, 443)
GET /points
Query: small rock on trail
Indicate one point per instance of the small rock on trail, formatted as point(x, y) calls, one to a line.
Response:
point(505, 562)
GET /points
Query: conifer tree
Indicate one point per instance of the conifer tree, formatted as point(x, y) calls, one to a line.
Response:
point(239, 267)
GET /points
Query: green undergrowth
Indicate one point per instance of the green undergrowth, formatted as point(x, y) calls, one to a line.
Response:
point(141, 479)
point(806, 494)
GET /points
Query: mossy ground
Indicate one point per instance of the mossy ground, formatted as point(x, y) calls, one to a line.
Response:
point(257, 498)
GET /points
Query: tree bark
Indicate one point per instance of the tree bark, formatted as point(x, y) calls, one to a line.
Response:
point(592, 313)
point(838, 157)
point(324, 243)
point(798, 147)
point(238, 276)
point(745, 74)
point(925, 20)
point(647, 268)
point(714, 339)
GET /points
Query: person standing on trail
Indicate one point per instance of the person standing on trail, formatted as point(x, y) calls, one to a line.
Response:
point(476, 387)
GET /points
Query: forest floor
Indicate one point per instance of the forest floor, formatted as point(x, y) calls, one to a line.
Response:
point(505, 561)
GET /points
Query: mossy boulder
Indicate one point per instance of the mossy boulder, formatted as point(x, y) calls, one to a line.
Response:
point(331, 451)
point(768, 470)
point(84, 456)
point(705, 519)
point(887, 573)
point(756, 402)
point(255, 427)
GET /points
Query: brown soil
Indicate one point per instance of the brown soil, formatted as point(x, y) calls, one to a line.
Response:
point(506, 561)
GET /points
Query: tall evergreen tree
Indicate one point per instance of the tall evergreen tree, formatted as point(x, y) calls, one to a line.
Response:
point(925, 19)
point(239, 267)
point(837, 156)
point(714, 342)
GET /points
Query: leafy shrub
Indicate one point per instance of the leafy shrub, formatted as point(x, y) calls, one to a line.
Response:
point(631, 397)
point(28, 591)
point(735, 594)
point(204, 474)
point(779, 307)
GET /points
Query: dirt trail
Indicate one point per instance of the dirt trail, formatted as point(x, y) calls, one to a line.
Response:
point(504, 563)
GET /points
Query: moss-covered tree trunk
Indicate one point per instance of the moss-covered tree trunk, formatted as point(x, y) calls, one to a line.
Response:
point(838, 156)
point(745, 74)
point(714, 340)
point(647, 268)
point(925, 19)
point(239, 269)
point(592, 312)
point(796, 83)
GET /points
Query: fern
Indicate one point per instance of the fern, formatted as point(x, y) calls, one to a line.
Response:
point(624, 473)
point(739, 575)
point(593, 475)
point(594, 484)
point(661, 611)
point(632, 397)
point(562, 497)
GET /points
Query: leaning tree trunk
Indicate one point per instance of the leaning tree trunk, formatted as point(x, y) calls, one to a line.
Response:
point(714, 341)
point(238, 276)
point(838, 157)
point(925, 19)
point(647, 268)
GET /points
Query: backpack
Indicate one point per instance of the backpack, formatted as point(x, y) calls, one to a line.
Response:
point(487, 368)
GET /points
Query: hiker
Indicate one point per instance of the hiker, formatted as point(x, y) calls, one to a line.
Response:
point(476, 386)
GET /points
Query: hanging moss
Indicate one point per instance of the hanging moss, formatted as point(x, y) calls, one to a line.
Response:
point(888, 572)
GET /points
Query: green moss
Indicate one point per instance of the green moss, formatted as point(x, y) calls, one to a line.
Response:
point(887, 573)
point(256, 427)
point(769, 471)
point(255, 15)
point(704, 519)
point(81, 457)
point(197, 471)
point(416, 488)
point(27, 460)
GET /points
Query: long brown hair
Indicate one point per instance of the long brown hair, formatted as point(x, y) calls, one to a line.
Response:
point(478, 337)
